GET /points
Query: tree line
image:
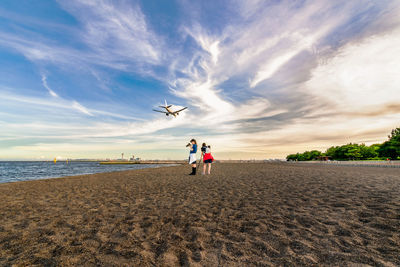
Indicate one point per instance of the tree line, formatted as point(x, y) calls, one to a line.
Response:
point(387, 150)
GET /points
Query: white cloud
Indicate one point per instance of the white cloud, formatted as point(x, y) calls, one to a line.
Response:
point(80, 108)
point(44, 81)
point(54, 104)
point(206, 98)
point(114, 35)
point(277, 61)
point(247, 48)
point(360, 75)
point(116, 31)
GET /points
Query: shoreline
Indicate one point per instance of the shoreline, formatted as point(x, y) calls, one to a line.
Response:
point(26, 179)
point(142, 162)
point(240, 215)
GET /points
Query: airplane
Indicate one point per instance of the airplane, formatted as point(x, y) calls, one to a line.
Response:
point(168, 110)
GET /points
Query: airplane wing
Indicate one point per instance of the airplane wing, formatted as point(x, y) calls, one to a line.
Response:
point(179, 110)
point(160, 111)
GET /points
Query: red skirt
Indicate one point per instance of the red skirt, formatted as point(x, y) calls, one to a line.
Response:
point(208, 156)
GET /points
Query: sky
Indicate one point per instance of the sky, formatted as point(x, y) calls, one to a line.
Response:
point(261, 79)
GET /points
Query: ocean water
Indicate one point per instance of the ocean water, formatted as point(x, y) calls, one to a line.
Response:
point(14, 171)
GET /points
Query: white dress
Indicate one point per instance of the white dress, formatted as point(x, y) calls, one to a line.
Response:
point(192, 158)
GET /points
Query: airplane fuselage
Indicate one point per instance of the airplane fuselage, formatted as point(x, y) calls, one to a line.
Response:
point(170, 112)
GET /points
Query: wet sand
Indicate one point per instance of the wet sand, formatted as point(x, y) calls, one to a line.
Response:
point(272, 214)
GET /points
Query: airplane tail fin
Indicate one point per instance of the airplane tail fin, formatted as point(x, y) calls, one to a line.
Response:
point(166, 104)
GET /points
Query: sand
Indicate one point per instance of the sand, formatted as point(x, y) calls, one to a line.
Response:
point(242, 215)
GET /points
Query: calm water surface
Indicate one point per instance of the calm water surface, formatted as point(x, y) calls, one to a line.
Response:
point(13, 171)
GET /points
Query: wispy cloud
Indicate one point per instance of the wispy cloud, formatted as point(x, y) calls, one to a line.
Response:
point(80, 108)
point(117, 31)
point(58, 103)
point(113, 35)
point(44, 81)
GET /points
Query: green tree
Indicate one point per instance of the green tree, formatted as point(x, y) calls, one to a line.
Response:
point(291, 157)
point(391, 148)
point(352, 151)
point(315, 154)
point(332, 152)
point(369, 152)
point(395, 135)
point(306, 156)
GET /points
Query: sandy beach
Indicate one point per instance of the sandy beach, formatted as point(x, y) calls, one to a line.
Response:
point(271, 214)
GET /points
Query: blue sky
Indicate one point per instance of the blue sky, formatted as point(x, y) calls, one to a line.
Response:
point(261, 79)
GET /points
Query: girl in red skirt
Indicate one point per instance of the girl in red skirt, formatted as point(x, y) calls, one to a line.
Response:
point(207, 158)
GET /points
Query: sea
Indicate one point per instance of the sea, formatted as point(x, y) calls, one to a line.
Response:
point(14, 171)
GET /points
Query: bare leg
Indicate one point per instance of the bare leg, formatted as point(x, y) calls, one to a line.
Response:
point(204, 168)
point(209, 168)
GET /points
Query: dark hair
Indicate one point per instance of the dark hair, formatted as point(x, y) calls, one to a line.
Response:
point(204, 144)
point(209, 146)
point(193, 141)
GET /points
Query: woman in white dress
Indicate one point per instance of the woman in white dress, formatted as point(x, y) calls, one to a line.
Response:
point(192, 155)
